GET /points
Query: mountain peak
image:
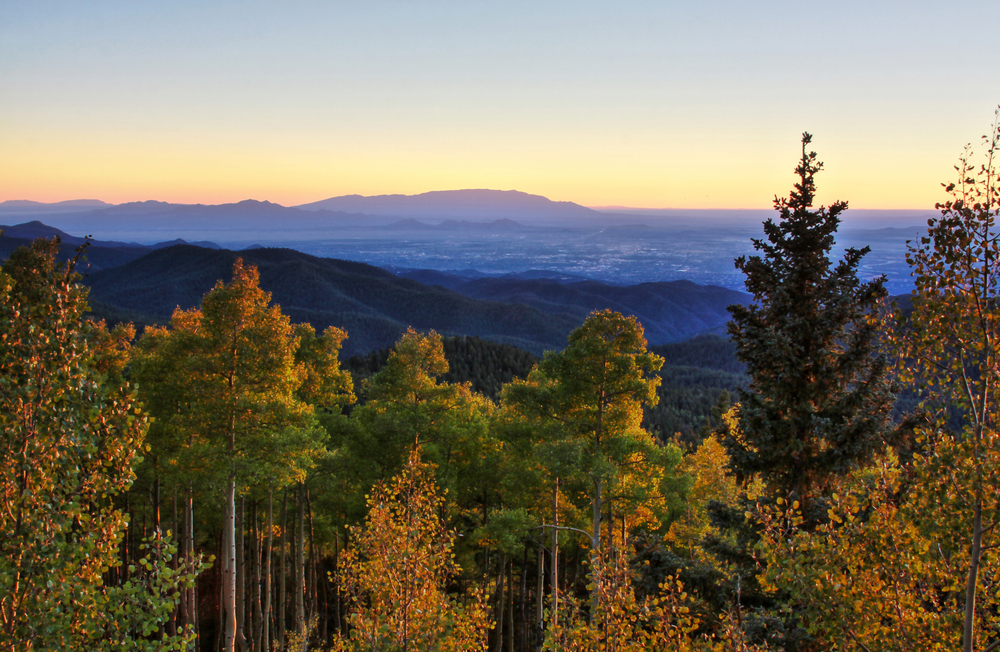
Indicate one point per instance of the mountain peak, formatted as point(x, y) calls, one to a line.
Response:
point(473, 203)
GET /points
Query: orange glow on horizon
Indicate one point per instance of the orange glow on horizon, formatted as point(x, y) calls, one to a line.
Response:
point(192, 169)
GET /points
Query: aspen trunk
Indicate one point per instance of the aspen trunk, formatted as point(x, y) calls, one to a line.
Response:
point(555, 555)
point(300, 570)
point(192, 593)
point(220, 631)
point(595, 552)
point(975, 554)
point(154, 496)
point(229, 567)
point(540, 591)
point(510, 606)
point(175, 616)
point(283, 576)
point(257, 539)
point(241, 577)
point(338, 625)
point(501, 604)
point(312, 593)
point(265, 640)
point(524, 601)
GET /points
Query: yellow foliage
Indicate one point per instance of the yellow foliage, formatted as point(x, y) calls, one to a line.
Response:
point(396, 571)
point(707, 467)
point(622, 623)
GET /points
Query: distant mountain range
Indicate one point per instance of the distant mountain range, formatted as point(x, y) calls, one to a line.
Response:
point(23, 207)
point(480, 204)
point(534, 310)
point(99, 255)
point(262, 220)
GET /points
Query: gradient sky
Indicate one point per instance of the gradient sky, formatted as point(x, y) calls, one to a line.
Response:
point(645, 104)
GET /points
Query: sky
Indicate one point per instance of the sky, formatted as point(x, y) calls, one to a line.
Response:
point(657, 104)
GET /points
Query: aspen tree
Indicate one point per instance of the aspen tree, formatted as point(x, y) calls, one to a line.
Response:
point(70, 432)
point(234, 396)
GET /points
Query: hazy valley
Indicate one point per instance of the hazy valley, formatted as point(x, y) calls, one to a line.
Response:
point(491, 232)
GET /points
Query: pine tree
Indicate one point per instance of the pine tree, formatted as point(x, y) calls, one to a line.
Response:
point(819, 397)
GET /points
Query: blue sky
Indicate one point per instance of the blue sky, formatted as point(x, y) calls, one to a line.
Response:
point(648, 104)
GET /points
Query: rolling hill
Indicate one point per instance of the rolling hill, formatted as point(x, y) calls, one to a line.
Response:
point(376, 306)
point(373, 305)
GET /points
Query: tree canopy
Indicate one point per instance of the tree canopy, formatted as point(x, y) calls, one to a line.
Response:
point(819, 397)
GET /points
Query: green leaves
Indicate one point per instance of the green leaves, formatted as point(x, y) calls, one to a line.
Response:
point(71, 433)
point(228, 382)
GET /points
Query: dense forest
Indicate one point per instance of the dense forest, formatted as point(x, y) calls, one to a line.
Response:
point(225, 482)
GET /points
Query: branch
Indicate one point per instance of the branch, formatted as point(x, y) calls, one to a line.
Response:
point(856, 640)
point(571, 529)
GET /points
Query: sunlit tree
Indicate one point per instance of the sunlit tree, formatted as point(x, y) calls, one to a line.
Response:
point(398, 568)
point(71, 433)
point(226, 389)
point(819, 397)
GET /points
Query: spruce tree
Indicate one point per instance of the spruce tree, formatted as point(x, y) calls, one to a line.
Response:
point(819, 397)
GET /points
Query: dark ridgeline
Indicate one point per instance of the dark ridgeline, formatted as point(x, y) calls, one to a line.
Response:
point(376, 306)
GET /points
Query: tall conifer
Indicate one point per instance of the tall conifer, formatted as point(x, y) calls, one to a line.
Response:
point(819, 397)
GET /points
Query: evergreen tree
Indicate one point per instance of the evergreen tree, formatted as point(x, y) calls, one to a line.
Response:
point(819, 397)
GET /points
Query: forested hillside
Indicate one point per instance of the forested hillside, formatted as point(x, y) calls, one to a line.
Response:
point(373, 305)
point(376, 306)
point(223, 482)
point(669, 311)
point(697, 374)
point(97, 256)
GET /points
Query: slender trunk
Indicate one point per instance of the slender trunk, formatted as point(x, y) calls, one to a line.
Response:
point(127, 542)
point(229, 568)
point(501, 603)
point(300, 570)
point(265, 640)
point(510, 606)
point(969, 629)
point(154, 492)
point(241, 576)
point(175, 615)
point(192, 596)
point(540, 592)
point(220, 631)
point(595, 541)
point(624, 532)
point(283, 575)
point(183, 616)
point(555, 555)
point(312, 604)
point(258, 541)
point(323, 602)
point(522, 640)
point(338, 625)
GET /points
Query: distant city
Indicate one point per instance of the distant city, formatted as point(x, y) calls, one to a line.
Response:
point(492, 232)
